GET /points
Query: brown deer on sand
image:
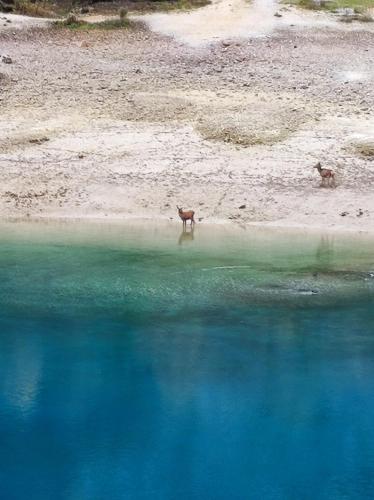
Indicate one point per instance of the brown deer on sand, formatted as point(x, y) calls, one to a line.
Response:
point(185, 216)
point(326, 174)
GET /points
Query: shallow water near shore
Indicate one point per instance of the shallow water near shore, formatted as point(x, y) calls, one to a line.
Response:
point(141, 362)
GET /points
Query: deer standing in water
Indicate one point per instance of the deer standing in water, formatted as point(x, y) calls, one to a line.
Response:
point(185, 216)
point(326, 174)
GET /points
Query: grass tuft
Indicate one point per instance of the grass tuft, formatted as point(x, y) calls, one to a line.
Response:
point(122, 13)
point(74, 23)
point(241, 137)
point(365, 149)
point(359, 6)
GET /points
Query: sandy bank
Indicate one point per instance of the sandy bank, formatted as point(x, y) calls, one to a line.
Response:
point(125, 124)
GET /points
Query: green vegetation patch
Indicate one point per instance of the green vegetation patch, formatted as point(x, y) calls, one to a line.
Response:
point(359, 6)
point(49, 8)
point(74, 23)
point(165, 5)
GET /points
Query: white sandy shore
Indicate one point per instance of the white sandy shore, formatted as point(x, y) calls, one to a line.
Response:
point(222, 20)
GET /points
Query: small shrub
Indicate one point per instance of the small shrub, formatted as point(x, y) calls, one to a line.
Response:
point(71, 19)
point(29, 8)
point(311, 4)
point(122, 12)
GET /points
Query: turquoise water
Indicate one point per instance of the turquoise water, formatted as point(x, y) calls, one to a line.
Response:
point(142, 363)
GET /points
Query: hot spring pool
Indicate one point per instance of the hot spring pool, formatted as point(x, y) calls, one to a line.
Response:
point(137, 362)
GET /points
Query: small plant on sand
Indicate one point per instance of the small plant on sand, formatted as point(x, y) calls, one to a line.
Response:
point(71, 19)
point(122, 12)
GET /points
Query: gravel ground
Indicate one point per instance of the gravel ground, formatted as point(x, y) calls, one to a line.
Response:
point(130, 123)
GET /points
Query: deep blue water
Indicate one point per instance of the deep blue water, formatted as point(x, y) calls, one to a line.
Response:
point(135, 371)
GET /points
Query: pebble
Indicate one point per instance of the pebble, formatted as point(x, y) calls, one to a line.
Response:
point(7, 60)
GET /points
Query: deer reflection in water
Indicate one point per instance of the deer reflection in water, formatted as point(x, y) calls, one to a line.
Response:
point(186, 235)
point(325, 252)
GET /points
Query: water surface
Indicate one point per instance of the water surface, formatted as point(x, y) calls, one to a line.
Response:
point(138, 362)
